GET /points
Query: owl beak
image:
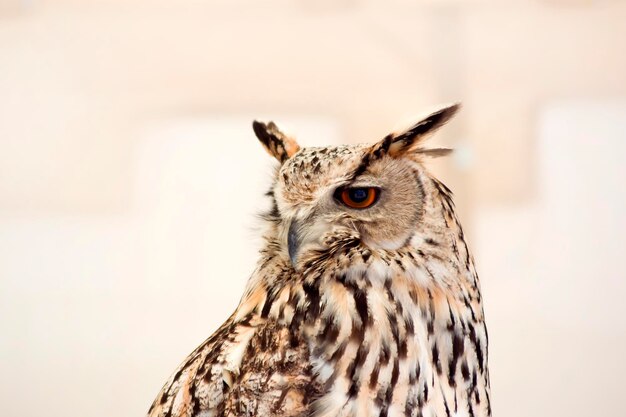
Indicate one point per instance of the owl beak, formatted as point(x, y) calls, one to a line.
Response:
point(294, 240)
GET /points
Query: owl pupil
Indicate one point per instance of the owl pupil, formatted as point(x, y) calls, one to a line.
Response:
point(358, 195)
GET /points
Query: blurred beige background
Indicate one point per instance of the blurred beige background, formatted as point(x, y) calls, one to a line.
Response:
point(130, 177)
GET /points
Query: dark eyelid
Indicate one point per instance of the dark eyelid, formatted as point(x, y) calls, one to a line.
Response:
point(350, 185)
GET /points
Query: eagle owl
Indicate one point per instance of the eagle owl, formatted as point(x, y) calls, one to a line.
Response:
point(364, 302)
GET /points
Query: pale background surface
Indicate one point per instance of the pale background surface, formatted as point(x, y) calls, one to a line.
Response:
point(130, 178)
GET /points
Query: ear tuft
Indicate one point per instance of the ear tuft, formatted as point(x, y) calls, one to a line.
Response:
point(275, 142)
point(434, 152)
point(409, 140)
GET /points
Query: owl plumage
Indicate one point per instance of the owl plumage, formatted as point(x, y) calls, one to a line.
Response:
point(351, 311)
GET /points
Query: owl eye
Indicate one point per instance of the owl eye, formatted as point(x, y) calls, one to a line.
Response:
point(358, 197)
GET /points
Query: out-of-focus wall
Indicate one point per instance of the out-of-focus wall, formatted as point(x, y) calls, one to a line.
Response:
point(129, 177)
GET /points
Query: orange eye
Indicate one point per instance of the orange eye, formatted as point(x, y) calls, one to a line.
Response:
point(358, 197)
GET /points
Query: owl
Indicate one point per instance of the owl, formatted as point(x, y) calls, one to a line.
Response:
point(364, 301)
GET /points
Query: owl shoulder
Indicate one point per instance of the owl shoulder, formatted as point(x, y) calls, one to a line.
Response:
point(252, 366)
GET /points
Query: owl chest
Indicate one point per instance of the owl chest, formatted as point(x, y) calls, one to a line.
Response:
point(385, 351)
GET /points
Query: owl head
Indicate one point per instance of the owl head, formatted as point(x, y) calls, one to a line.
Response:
point(378, 193)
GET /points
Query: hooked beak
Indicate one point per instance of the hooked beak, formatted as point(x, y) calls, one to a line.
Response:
point(294, 240)
point(308, 233)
